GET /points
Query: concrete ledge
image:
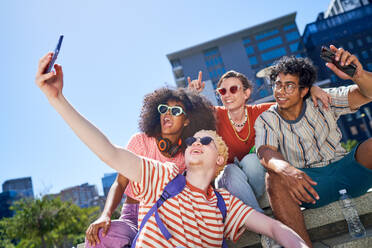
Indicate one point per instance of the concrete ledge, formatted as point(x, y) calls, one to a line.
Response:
point(322, 223)
point(345, 241)
point(326, 225)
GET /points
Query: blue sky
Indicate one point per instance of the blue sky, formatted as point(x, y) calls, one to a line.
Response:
point(113, 53)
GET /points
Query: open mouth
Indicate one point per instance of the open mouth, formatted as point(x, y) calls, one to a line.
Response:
point(196, 151)
point(167, 122)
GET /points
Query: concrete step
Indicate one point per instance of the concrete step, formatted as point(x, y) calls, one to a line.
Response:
point(322, 223)
point(346, 241)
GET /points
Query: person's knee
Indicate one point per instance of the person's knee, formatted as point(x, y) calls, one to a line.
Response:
point(251, 165)
point(363, 153)
point(232, 173)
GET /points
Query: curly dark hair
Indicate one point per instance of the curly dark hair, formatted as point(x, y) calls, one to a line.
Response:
point(199, 111)
point(301, 67)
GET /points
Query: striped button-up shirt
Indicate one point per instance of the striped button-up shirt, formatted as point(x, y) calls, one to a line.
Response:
point(313, 139)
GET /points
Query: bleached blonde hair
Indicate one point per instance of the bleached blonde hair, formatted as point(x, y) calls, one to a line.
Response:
point(222, 148)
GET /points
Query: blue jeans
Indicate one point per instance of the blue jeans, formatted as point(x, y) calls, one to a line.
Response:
point(244, 179)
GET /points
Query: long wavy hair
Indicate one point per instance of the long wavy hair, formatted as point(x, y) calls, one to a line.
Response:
point(199, 111)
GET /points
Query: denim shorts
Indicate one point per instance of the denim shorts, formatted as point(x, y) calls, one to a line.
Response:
point(345, 173)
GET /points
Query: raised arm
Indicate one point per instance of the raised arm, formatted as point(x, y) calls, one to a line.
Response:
point(104, 221)
point(297, 181)
point(117, 158)
point(265, 225)
point(361, 93)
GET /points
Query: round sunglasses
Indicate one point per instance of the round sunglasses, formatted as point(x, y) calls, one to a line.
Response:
point(206, 140)
point(233, 89)
point(174, 110)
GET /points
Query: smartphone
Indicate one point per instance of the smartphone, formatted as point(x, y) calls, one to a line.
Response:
point(55, 55)
point(327, 55)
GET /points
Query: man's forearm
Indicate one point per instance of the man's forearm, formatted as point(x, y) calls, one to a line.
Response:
point(272, 160)
point(114, 197)
point(365, 83)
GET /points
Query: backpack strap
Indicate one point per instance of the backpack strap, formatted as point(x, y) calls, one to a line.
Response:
point(222, 206)
point(173, 188)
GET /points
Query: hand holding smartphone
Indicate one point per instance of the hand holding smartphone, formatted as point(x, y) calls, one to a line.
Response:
point(55, 55)
point(327, 55)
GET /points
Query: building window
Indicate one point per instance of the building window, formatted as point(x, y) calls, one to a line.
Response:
point(364, 54)
point(270, 43)
point(176, 63)
point(360, 42)
point(214, 63)
point(266, 34)
point(246, 41)
point(363, 127)
point(292, 36)
point(334, 78)
point(273, 54)
point(249, 50)
point(263, 92)
point(354, 130)
point(253, 60)
point(288, 27)
point(350, 45)
point(294, 47)
point(179, 74)
point(369, 39)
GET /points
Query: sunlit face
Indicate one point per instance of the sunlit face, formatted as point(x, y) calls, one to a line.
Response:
point(170, 124)
point(234, 100)
point(199, 154)
point(285, 100)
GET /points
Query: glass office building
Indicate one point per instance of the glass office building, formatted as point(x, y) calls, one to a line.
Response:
point(246, 51)
point(351, 30)
point(107, 180)
point(22, 186)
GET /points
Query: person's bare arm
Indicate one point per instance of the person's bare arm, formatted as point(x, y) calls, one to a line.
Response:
point(114, 197)
point(260, 223)
point(361, 93)
point(117, 158)
point(297, 181)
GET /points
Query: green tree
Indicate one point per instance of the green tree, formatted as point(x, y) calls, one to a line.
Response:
point(349, 145)
point(46, 223)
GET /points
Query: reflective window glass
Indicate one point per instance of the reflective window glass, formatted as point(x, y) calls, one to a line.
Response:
point(292, 36)
point(270, 43)
point(276, 53)
point(266, 34)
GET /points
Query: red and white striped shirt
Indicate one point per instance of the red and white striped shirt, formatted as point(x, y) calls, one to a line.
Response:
point(192, 217)
point(146, 146)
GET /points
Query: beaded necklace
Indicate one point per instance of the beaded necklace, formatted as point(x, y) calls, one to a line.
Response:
point(233, 124)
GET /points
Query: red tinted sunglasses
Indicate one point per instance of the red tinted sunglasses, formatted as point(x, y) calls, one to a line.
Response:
point(233, 90)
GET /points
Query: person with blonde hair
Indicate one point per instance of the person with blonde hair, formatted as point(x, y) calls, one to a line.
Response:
point(192, 218)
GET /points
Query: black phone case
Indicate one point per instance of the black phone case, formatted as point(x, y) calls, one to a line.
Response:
point(328, 56)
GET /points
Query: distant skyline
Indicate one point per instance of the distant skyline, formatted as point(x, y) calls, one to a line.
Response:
point(113, 53)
